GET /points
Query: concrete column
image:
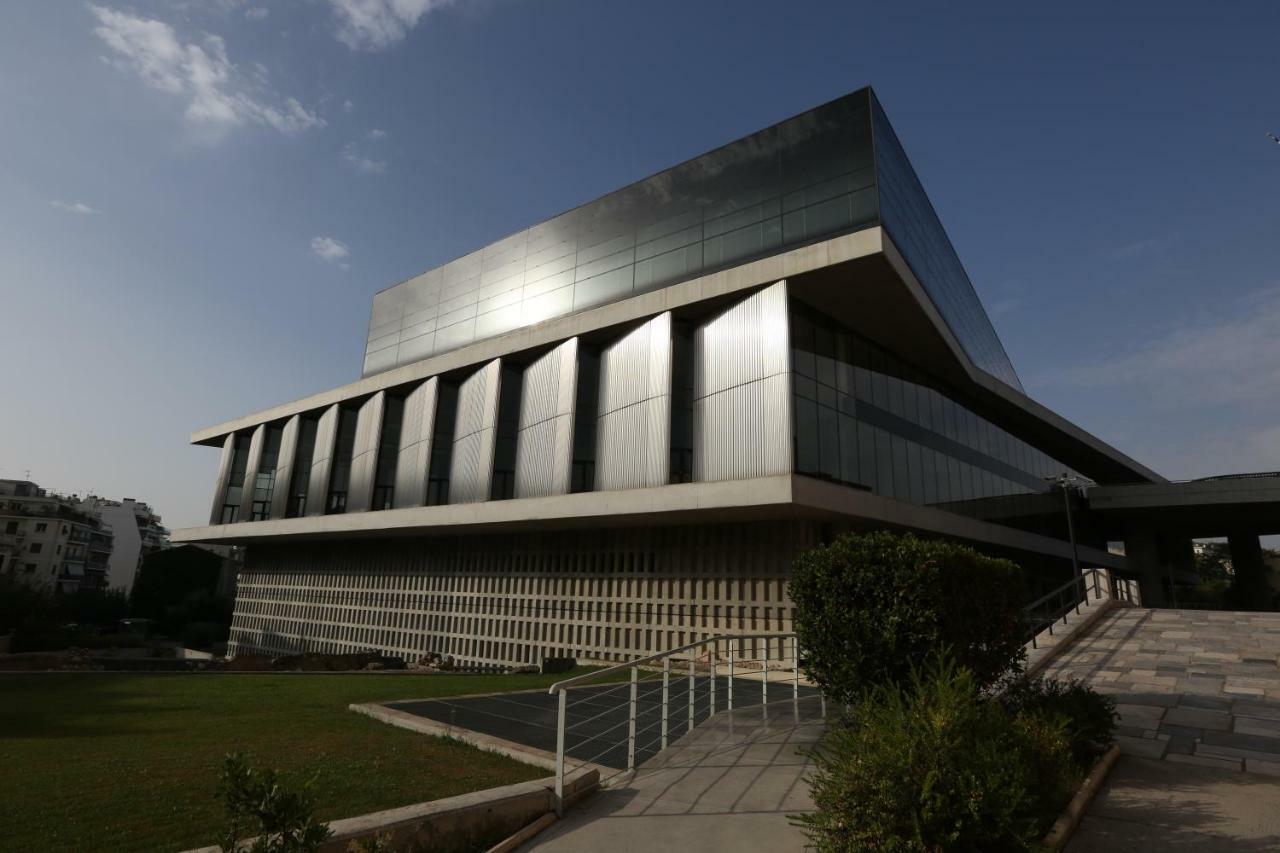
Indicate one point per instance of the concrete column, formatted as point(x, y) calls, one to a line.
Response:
point(1142, 552)
point(284, 466)
point(322, 461)
point(1249, 589)
point(742, 390)
point(364, 456)
point(223, 479)
point(413, 465)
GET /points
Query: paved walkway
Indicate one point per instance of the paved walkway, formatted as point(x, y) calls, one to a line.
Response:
point(1192, 687)
point(1148, 805)
point(735, 764)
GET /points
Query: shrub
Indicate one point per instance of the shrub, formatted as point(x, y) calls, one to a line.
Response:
point(1089, 717)
point(932, 766)
point(867, 608)
point(258, 805)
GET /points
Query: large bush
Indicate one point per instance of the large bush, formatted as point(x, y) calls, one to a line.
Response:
point(936, 766)
point(867, 608)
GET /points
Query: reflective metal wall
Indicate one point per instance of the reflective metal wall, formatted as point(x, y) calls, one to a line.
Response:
point(808, 178)
point(415, 445)
point(742, 390)
point(633, 431)
point(322, 460)
point(284, 468)
point(364, 456)
point(474, 434)
point(544, 447)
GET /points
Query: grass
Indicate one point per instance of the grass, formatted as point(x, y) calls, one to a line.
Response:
point(109, 762)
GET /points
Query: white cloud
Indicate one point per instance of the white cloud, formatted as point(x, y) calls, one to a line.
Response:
point(348, 105)
point(378, 24)
point(329, 249)
point(74, 207)
point(218, 96)
point(353, 153)
point(256, 13)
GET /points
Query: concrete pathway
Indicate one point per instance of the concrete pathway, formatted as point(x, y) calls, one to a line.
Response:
point(735, 764)
point(1148, 805)
point(1192, 687)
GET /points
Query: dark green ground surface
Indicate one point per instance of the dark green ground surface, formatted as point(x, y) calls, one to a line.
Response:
point(107, 762)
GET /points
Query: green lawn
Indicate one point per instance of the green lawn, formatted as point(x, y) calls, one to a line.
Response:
point(108, 762)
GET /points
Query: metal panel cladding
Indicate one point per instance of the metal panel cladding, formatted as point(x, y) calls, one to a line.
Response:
point(252, 466)
point(474, 434)
point(544, 446)
point(364, 458)
point(414, 460)
point(322, 460)
point(742, 390)
point(284, 467)
point(633, 434)
point(224, 478)
point(914, 227)
point(806, 179)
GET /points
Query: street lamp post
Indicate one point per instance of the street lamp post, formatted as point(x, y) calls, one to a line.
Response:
point(1064, 481)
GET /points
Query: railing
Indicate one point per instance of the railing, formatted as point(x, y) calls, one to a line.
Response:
point(1092, 587)
point(618, 725)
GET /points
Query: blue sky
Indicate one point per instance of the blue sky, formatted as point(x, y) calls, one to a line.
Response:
point(198, 199)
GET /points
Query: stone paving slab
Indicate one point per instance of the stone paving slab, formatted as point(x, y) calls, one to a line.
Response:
point(1193, 687)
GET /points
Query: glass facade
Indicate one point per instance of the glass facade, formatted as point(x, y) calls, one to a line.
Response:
point(913, 225)
point(809, 178)
point(865, 418)
point(506, 435)
point(235, 480)
point(384, 478)
point(586, 409)
point(343, 449)
point(264, 484)
point(300, 480)
point(442, 444)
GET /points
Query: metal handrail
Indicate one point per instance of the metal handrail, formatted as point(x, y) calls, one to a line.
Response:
point(734, 643)
point(1075, 594)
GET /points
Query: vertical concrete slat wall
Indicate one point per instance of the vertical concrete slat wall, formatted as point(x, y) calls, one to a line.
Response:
point(364, 456)
point(473, 435)
point(224, 476)
point(414, 462)
point(544, 446)
point(284, 466)
point(633, 443)
point(322, 461)
point(742, 390)
point(252, 466)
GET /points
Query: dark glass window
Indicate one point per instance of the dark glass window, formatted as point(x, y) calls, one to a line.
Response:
point(507, 435)
point(384, 480)
point(340, 472)
point(265, 482)
point(300, 479)
point(681, 403)
point(235, 480)
point(585, 415)
point(442, 444)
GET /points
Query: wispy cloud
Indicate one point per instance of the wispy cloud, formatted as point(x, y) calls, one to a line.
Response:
point(1233, 357)
point(74, 207)
point(379, 24)
point(1139, 249)
point(330, 249)
point(217, 95)
point(256, 13)
point(357, 157)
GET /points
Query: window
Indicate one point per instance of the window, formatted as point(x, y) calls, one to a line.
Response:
point(41, 527)
point(506, 435)
point(344, 447)
point(11, 527)
point(31, 568)
point(35, 548)
point(301, 477)
point(384, 482)
point(235, 480)
point(264, 483)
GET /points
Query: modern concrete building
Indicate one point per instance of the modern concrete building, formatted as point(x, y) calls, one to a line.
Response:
point(608, 434)
point(50, 541)
point(136, 531)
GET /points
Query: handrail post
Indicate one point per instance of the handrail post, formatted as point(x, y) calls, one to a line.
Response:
point(631, 727)
point(732, 643)
point(666, 688)
point(764, 674)
point(712, 692)
point(691, 686)
point(560, 716)
point(795, 681)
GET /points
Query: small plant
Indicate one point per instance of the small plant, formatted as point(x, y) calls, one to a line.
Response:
point(868, 608)
point(258, 805)
point(930, 766)
point(1089, 717)
point(378, 843)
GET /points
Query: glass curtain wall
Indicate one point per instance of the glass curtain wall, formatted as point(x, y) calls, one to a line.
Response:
point(235, 480)
point(866, 418)
point(265, 483)
point(384, 482)
point(301, 476)
point(343, 448)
